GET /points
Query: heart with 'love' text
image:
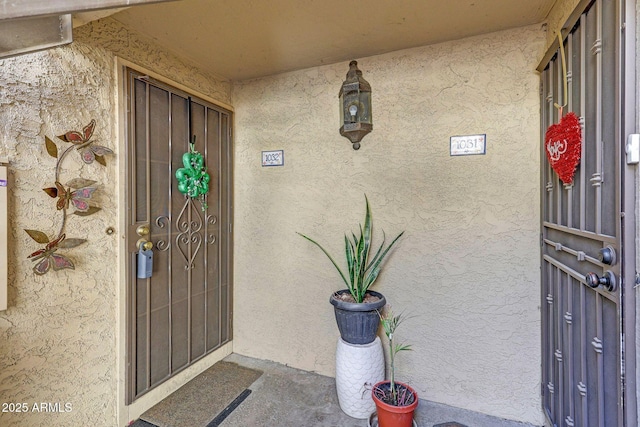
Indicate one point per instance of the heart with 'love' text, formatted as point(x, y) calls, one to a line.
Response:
point(563, 145)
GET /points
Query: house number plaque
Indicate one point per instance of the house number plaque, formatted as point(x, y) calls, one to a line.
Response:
point(273, 158)
point(468, 145)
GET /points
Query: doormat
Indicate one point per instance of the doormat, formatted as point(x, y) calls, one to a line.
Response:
point(197, 403)
point(450, 424)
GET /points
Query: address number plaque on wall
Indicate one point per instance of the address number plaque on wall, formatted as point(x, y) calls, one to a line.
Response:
point(273, 158)
point(468, 145)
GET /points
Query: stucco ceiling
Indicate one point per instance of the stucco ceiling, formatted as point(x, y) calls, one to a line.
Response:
point(244, 39)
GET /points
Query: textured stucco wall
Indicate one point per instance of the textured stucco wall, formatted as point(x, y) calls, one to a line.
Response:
point(468, 266)
point(59, 336)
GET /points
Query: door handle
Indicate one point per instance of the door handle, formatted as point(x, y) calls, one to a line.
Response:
point(144, 245)
point(607, 281)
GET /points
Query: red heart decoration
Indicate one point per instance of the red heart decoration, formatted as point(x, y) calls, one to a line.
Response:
point(563, 145)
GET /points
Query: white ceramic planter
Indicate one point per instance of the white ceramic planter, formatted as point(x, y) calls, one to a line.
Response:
point(358, 368)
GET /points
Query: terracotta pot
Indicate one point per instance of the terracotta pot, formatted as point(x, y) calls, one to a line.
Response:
point(394, 416)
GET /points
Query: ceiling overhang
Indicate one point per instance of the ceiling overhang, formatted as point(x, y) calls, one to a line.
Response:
point(245, 39)
point(32, 25)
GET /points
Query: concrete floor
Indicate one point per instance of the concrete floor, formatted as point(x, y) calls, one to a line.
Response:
point(284, 396)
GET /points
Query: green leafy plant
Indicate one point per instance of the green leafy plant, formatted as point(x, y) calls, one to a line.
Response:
point(396, 396)
point(389, 324)
point(362, 272)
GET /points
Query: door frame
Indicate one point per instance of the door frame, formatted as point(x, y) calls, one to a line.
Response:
point(628, 125)
point(629, 176)
point(127, 413)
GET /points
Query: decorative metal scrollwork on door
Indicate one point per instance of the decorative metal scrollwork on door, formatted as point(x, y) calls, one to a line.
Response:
point(211, 238)
point(191, 234)
point(164, 222)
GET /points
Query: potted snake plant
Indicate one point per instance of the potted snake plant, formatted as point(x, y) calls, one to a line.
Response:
point(356, 307)
point(395, 402)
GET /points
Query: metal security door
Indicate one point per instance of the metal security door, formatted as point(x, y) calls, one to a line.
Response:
point(183, 311)
point(588, 313)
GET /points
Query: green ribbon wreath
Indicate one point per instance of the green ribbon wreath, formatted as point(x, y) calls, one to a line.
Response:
point(193, 179)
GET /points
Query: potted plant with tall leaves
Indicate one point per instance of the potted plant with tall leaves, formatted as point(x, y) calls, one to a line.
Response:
point(395, 401)
point(356, 307)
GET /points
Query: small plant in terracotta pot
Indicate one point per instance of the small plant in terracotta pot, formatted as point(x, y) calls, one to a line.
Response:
point(395, 401)
point(356, 307)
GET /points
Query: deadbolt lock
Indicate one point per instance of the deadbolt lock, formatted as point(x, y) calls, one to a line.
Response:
point(607, 255)
point(142, 230)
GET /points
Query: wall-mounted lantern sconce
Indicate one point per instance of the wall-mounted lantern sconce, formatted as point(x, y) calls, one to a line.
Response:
point(355, 106)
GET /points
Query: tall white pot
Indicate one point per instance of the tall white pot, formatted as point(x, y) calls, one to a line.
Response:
point(358, 368)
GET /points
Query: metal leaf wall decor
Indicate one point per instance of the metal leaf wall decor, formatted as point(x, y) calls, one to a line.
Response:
point(75, 194)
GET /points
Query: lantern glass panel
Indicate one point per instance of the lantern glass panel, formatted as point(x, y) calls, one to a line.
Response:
point(364, 112)
point(342, 116)
point(350, 99)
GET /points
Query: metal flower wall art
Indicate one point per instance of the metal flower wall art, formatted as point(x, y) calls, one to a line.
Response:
point(46, 257)
point(78, 198)
point(74, 194)
point(87, 149)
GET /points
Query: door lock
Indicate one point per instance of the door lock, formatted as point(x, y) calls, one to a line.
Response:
point(145, 259)
point(145, 254)
point(142, 230)
point(607, 255)
point(607, 281)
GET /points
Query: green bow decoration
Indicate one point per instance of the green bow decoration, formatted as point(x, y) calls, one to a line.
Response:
point(193, 179)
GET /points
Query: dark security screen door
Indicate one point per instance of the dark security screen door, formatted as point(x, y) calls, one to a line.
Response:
point(183, 311)
point(588, 311)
